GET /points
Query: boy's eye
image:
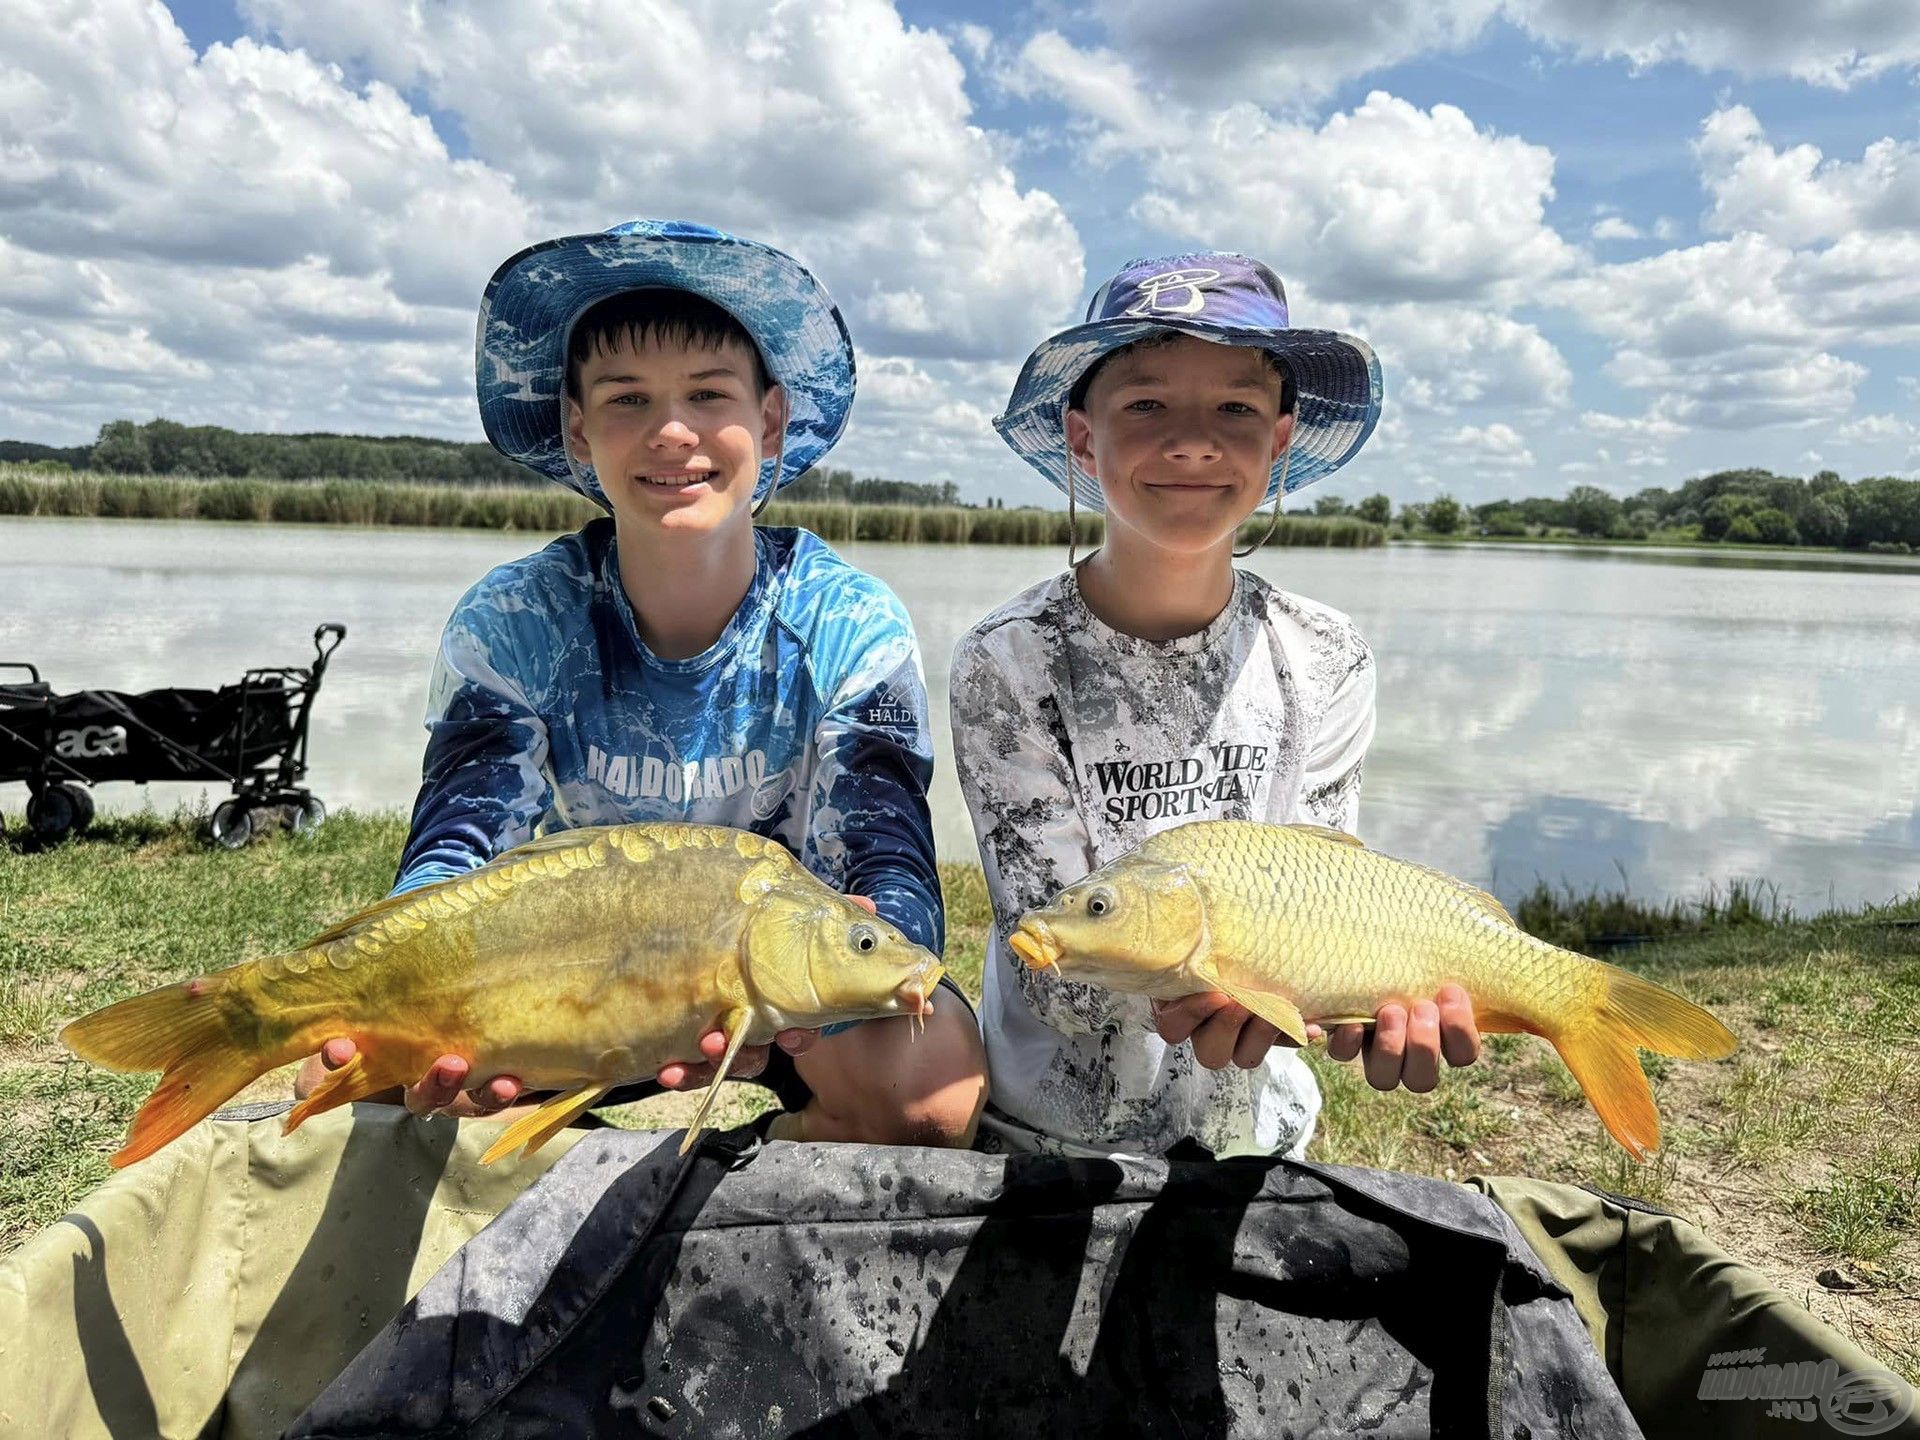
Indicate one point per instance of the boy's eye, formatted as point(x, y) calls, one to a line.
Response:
point(1141, 407)
point(1239, 407)
point(627, 400)
point(708, 395)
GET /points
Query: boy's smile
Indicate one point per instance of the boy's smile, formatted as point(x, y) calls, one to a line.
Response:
point(675, 432)
point(1182, 436)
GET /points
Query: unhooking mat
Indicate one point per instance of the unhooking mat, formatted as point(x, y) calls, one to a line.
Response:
point(215, 1289)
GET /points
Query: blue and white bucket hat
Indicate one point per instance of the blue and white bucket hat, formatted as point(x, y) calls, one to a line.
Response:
point(531, 303)
point(1212, 295)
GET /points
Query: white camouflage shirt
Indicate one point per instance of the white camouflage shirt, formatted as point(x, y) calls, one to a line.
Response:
point(1075, 743)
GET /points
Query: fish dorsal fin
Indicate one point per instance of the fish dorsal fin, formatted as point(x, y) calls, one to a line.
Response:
point(1486, 903)
point(539, 845)
point(1327, 832)
point(374, 911)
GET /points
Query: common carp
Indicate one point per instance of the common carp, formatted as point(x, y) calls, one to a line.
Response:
point(1300, 922)
point(576, 962)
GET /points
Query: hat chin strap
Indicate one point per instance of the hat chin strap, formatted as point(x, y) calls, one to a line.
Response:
point(1286, 459)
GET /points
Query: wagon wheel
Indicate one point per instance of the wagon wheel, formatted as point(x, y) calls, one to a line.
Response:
point(231, 824)
point(82, 799)
point(51, 813)
point(308, 813)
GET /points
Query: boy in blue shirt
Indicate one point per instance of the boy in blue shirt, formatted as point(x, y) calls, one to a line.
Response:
point(675, 662)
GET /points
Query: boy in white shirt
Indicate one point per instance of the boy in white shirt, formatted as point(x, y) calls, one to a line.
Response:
point(1155, 684)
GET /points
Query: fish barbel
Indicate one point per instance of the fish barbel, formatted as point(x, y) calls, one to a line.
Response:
point(1300, 922)
point(576, 962)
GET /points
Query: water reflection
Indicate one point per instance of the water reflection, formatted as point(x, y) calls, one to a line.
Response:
point(1546, 711)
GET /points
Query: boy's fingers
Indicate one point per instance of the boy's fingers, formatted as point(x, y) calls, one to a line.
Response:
point(1176, 1020)
point(865, 904)
point(678, 1075)
point(498, 1093)
point(1256, 1039)
point(1459, 1034)
point(1214, 1041)
point(1420, 1067)
point(336, 1053)
point(1345, 1042)
point(439, 1087)
point(1387, 1048)
point(797, 1042)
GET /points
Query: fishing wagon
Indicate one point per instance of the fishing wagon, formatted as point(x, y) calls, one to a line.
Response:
point(251, 736)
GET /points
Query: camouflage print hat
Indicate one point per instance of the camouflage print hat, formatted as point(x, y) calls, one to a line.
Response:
point(1212, 295)
point(531, 303)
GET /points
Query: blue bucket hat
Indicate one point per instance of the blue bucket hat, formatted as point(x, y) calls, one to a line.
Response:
point(531, 303)
point(1211, 295)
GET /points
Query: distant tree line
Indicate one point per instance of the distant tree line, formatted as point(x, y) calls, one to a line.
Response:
point(1753, 507)
point(211, 452)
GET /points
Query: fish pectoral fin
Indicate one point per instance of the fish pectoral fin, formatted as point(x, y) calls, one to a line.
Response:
point(738, 1022)
point(537, 1127)
point(367, 1073)
point(1276, 1010)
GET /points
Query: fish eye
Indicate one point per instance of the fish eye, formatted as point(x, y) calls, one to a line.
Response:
point(1100, 902)
point(864, 939)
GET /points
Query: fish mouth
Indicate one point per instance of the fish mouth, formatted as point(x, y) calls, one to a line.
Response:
point(1034, 943)
point(915, 998)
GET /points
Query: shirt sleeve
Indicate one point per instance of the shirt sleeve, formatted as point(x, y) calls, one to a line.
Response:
point(1016, 773)
point(484, 785)
point(1330, 788)
point(871, 832)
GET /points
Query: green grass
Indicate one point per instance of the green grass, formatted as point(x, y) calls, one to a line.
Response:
point(26, 490)
point(1796, 1153)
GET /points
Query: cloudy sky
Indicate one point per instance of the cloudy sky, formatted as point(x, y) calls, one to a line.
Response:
point(1618, 241)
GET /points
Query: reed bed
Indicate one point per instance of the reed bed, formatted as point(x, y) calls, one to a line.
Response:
point(32, 491)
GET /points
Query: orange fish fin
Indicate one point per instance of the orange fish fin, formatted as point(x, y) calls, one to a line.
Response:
point(1604, 1061)
point(537, 1127)
point(738, 1022)
point(365, 1074)
point(1276, 1010)
point(1662, 1021)
point(183, 1031)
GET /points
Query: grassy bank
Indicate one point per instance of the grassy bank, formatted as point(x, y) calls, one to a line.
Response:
point(1799, 1154)
point(550, 509)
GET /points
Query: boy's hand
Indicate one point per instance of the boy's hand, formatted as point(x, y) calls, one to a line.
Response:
point(752, 1059)
point(438, 1092)
point(1404, 1049)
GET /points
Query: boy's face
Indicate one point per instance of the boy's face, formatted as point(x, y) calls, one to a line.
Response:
point(1182, 437)
point(675, 432)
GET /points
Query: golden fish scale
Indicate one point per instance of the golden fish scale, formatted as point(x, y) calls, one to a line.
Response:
point(549, 981)
point(1342, 930)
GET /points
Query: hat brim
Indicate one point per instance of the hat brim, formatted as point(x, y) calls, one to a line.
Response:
point(533, 300)
point(1337, 378)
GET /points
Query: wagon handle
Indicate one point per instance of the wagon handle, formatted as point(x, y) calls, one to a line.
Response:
point(326, 638)
point(33, 670)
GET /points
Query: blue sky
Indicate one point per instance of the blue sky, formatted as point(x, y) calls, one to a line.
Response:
point(1585, 239)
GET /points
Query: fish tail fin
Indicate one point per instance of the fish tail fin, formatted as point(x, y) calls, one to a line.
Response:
point(1602, 1051)
point(1664, 1022)
point(1607, 1064)
point(182, 1030)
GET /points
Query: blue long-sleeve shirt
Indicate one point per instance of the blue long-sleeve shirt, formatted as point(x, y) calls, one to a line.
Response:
point(805, 721)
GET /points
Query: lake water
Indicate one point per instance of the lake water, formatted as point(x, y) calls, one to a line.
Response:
point(1681, 719)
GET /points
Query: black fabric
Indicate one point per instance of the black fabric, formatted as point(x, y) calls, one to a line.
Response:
point(97, 735)
point(775, 1289)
